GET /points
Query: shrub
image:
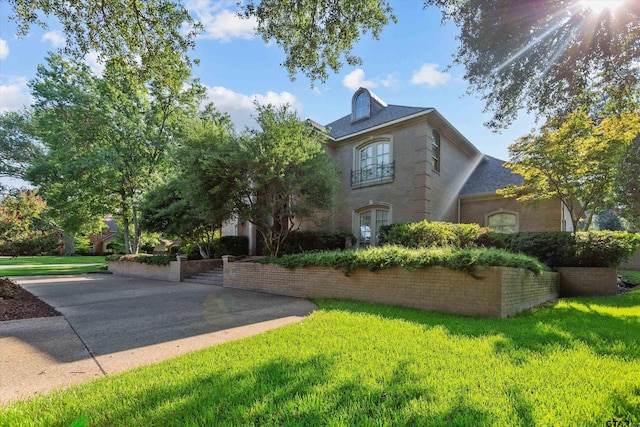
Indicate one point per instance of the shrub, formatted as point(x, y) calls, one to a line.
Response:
point(231, 245)
point(9, 289)
point(425, 234)
point(143, 258)
point(33, 245)
point(565, 249)
point(467, 260)
point(308, 241)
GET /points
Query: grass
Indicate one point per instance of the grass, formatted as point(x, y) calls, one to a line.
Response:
point(632, 276)
point(48, 265)
point(573, 363)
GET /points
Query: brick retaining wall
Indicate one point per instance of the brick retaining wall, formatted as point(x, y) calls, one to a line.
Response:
point(176, 271)
point(500, 291)
point(588, 281)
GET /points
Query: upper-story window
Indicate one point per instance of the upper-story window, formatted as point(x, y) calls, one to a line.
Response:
point(373, 164)
point(435, 151)
point(361, 108)
point(503, 222)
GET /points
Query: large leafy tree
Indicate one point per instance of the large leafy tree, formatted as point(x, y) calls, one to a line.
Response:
point(286, 175)
point(149, 33)
point(193, 205)
point(546, 56)
point(106, 138)
point(17, 145)
point(574, 158)
point(317, 34)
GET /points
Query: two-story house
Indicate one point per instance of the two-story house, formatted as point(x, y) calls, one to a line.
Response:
point(402, 164)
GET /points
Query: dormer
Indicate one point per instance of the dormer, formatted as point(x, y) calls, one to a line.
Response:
point(365, 104)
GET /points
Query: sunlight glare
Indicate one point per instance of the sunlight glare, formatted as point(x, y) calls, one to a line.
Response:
point(598, 6)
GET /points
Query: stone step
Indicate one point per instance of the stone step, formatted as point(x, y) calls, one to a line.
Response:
point(211, 277)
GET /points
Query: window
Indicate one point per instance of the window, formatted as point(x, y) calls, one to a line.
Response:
point(373, 164)
point(435, 151)
point(361, 107)
point(503, 222)
point(368, 225)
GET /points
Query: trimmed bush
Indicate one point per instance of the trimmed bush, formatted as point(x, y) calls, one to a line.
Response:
point(143, 258)
point(231, 245)
point(464, 260)
point(33, 245)
point(310, 241)
point(565, 249)
point(426, 234)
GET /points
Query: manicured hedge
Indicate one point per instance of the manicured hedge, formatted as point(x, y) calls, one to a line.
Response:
point(426, 234)
point(143, 258)
point(565, 249)
point(466, 260)
point(309, 241)
point(33, 245)
point(231, 245)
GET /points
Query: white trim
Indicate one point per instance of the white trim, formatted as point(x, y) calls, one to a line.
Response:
point(383, 125)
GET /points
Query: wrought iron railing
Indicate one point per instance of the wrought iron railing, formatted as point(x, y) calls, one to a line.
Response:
point(372, 174)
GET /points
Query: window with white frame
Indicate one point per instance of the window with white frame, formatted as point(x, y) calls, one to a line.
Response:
point(373, 164)
point(503, 222)
point(435, 151)
point(368, 223)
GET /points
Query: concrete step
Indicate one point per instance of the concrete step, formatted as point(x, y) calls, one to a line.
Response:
point(212, 277)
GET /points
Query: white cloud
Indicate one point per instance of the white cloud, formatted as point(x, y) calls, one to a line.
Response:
point(55, 37)
point(355, 80)
point(4, 49)
point(14, 95)
point(240, 106)
point(430, 76)
point(389, 81)
point(220, 23)
point(91, 59)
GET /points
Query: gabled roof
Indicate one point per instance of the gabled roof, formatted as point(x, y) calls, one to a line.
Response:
point(344, 126)
point(490, 175)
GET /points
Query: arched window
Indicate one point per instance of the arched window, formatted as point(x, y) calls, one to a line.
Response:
point(373, 163)
point(435, 151)
point(503, 222)
point(368, 223)
point(361, 107)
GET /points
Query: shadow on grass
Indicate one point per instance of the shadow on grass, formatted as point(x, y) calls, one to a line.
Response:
point(282, 393)
point(609, 326)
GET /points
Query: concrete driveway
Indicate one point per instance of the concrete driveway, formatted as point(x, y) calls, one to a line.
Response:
point(114, 323)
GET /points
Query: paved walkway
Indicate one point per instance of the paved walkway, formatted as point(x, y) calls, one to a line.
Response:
point(113, 323)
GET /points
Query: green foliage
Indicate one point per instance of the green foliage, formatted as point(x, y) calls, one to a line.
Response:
point(573, 158)
point(231, 245)
point(48, 244)
point(309, 241)
point(17, 147)
point(378, 258)
point(425, 234)
point(564, 249)
point(315, 35)
point(143, 258)
point(8, 288)
point(608, 220)
point(547, 57)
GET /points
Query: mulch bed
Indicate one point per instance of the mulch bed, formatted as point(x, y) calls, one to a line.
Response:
point(16, 303)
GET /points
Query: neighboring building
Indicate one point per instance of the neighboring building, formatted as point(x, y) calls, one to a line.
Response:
point(107, 235)
point(403, 164)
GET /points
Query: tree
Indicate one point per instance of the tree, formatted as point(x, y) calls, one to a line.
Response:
point(107, 138)
point(17, 147)
point(546, 56)
point(150, 33)
point(573, 158)
point(627, 184)
point(285, 175)
point(315, 35)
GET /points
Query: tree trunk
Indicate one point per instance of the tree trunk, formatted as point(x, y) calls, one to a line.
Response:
point(125, 233)
point(136, 231)
point(69, 248)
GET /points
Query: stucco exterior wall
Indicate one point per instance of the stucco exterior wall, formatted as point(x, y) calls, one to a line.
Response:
point(500, 292)
point(544, 217)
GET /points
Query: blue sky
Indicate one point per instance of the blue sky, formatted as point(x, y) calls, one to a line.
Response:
point(407, 66)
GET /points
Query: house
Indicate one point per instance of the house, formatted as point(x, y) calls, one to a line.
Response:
point(403, 164)
point(107, 235)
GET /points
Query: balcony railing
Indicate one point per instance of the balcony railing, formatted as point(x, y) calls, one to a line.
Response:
point(372, 174)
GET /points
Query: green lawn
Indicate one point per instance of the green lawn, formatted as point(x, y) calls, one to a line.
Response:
point(574, 363)
point(47, 265)
point(633, 276)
